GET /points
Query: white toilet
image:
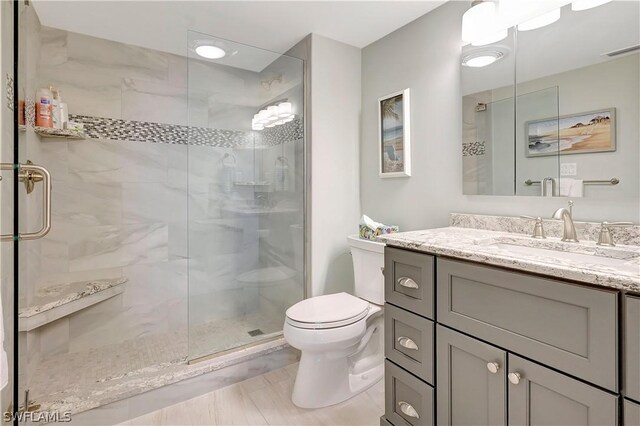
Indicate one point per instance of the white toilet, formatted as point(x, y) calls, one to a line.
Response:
point(340, 336)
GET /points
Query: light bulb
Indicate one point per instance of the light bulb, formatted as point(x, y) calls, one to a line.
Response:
point(210, 52)
point(478, 21)
point(284, 109)
point(273, 112)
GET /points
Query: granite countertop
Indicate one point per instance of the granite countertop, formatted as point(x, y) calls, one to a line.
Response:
point(481, 245)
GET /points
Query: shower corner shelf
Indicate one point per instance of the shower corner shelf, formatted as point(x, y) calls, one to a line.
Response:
point(55, 302)
point(47, 132)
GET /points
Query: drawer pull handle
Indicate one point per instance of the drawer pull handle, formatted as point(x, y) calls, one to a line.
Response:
point(405, 342)
point(407, 409)
point(407, 282)
point(493, 367)
point(514, 378)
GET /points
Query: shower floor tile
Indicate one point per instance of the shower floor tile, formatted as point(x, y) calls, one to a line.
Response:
point(87, 379)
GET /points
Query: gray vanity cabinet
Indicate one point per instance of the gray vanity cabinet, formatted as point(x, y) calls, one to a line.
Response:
point(632, 348)
point(408, 280)
point(471, 381)
point(569, 327)
point(408, 400)
point(631, 413)
point(540, 396)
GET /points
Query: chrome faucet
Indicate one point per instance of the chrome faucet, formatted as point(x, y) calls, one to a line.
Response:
point(569, 232)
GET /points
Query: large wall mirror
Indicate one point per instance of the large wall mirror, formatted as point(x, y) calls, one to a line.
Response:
point(555, 111)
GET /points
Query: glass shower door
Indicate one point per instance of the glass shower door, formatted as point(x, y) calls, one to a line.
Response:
point(246, 193)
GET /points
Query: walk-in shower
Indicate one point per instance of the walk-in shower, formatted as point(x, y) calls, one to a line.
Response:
point(177, 210)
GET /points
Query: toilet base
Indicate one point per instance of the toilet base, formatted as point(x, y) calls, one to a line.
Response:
point(322, 381)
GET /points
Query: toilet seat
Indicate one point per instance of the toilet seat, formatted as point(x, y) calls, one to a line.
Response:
point(329, 311)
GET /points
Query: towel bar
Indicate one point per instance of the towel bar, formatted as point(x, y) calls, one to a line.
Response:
point(612, 181)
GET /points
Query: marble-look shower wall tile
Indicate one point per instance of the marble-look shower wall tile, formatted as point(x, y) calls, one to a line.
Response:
point(155, 102)
point(149, 202)
point(113, 246)
point(87, 203)
point(108, 161)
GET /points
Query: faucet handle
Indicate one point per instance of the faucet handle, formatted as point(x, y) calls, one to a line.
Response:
point(538, 228)
point(605, 238)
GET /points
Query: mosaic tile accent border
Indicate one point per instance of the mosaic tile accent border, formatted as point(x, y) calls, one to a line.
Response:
point(143, 131)
point(472, 149)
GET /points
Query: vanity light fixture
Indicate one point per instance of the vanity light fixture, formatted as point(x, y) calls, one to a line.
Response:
point(482, 58)
point(578, 5)
point(478, 21)
point(272, 116)
point(540, 21)
point(210, 52)
point(496, 37)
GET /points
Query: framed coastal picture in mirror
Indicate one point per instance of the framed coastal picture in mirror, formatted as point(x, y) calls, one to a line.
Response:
point(394, 135)
point(593, 131)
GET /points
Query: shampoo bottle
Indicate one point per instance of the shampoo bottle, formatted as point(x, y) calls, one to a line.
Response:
point(55, 108)
point(44, 113)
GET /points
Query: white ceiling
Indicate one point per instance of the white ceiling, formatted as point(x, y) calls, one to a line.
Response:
point(272, 25)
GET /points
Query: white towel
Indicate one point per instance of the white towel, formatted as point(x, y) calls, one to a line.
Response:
point(569, 187)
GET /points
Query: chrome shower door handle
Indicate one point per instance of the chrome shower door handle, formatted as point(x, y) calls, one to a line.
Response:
point(30, 173)
point(407, 282)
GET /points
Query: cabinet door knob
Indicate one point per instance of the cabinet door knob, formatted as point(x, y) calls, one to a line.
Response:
point(514, 378)
point(493, 367)
point(405, 342)
point(407, 409)
point(407, 282)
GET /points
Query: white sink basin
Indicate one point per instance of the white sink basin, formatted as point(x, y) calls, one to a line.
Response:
point(621, 260)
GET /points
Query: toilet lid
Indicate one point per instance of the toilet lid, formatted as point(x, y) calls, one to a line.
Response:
point(331, 310)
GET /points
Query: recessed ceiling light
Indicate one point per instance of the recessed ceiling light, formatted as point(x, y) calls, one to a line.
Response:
point(587, 4)
point(210, 52)
point(540, 21)
point(481, 59)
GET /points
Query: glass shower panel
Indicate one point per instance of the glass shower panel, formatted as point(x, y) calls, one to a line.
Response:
point(246, 192)
point(103, 296)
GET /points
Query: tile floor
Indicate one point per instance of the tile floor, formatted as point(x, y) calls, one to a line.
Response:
point(266, 400)
point(87, 379)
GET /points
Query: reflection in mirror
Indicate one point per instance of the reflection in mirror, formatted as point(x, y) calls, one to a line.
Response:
point(575, 118)
point(584, 56)
point(488, 118)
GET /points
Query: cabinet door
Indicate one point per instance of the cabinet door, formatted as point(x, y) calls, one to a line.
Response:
point(540, 396)
point(471, 381)
point(631, 413)
point(632, 348)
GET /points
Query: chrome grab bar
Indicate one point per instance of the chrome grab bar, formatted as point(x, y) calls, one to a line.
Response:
point(29, 174)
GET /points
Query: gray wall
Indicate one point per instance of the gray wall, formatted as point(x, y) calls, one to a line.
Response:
point(335, 114)
point(425, 56)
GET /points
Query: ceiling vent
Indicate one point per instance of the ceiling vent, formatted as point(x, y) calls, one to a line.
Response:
point(622, 51)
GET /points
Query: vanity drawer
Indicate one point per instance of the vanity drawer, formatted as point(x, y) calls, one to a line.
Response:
point(408, 400)
point(631, 413)
point(632, 348)
point(409, 341)
point(569, 327)
point(408, 280)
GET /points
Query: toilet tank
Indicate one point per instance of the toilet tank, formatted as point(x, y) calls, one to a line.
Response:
point(368, 261)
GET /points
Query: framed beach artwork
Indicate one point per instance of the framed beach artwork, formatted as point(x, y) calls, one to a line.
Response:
point(587, 132)
point(394, 135)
